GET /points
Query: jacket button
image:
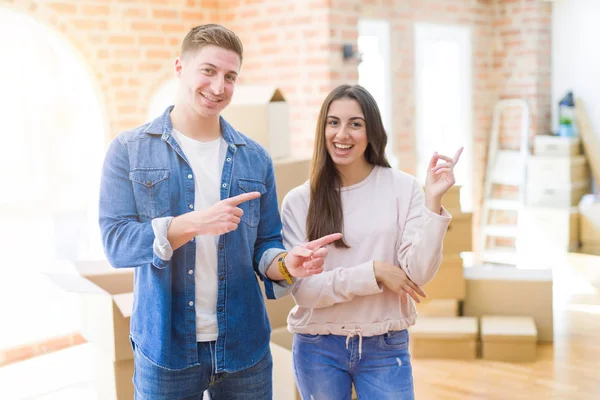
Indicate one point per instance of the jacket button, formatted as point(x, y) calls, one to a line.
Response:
point(221, 246)
point(222, 277)
point(148, 183)
point(220, 309)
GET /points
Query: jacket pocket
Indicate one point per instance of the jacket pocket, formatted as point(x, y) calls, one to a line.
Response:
point(151, 191)
point(251, 208)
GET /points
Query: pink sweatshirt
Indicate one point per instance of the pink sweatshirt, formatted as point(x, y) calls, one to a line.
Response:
point(385, 219)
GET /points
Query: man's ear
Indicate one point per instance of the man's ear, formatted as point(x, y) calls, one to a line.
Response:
point(178, 67)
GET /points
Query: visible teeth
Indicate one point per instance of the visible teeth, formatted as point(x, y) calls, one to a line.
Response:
point(342, 146)
point(209, 98)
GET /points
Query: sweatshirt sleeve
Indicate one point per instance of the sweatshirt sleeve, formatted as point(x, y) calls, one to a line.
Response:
point(327, 288)
point(420, 250)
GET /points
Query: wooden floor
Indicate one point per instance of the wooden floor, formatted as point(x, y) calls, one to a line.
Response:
point(567, 369)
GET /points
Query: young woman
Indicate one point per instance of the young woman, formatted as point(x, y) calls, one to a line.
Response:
point(350, 321)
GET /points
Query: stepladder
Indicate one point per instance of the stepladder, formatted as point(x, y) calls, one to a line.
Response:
point(504, 187)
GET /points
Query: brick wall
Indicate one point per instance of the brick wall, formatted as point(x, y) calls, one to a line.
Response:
point(129, 46)
point(296, 46)
point(403, 15)
point(522, 62)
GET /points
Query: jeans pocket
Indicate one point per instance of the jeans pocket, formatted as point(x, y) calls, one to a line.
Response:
point(395, 339)
point(251, 208)
point(307, 337)
point(151, 191)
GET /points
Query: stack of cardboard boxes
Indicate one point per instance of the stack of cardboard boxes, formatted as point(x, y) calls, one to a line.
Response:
point(558, 176)
point(490, 312)
point(589, 222)
point(106, 299)
point(506, 312)
point(447, 290)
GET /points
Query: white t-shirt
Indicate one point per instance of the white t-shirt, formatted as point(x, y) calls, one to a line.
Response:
point(206, 160)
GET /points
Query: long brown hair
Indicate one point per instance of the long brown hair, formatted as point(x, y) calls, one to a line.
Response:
point(325, 213)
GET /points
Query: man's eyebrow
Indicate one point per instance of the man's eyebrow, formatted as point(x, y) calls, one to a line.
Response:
point(215, 67)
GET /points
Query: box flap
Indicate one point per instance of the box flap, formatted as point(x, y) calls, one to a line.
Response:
point(256, 95)
point(573, 160)
point(96, 267)
point(555, 139)
point(76, 283)
point(508, 329)
point(102, 274)
point(445, 328)
point(508, 273)
point(124, 302)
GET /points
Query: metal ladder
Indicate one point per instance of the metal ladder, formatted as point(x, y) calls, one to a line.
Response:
point(504, 167)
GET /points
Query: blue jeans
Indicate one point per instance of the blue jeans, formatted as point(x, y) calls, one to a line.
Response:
point(152, 382)
point(325, 369)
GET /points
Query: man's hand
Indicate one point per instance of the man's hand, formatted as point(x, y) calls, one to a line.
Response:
point(396, 279)
point(221, 217)
point(307, 259)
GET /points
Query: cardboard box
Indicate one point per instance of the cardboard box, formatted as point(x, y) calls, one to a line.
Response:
point(451, 200)
point(438, 308)
point(512, 339)
point(561, 196)
point(278, 310)
point(548, 229)
point(284, 384)
point(448, 338)
point(113, 379)
point(106, 305)
point(590, 231)
point(557, 170)
point(289, 173)
point(589, 208)
point(449, 283)
point(509, 291)
point(459, 237)
point(589, 138)
point(261, 113)
point(556, 146)
point(593, 249)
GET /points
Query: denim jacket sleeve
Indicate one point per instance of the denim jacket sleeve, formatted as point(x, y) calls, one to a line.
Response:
point(127, 242)
point(269, 235)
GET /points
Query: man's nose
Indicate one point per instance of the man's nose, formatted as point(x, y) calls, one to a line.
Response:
point(218, 85)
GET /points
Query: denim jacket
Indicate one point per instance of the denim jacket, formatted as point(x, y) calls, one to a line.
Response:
point(146, 177)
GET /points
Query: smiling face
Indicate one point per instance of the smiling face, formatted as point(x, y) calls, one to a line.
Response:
point(207, 79)
point(346, 132)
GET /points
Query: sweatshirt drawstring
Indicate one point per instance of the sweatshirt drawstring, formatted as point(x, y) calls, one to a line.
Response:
point(355, 332)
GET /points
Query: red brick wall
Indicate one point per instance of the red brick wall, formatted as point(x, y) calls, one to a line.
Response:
point(522, 62)
point(403, 16)
point(127, 45)
point(294, 45)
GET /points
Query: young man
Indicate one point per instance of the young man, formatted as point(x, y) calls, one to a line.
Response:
point(191, 204)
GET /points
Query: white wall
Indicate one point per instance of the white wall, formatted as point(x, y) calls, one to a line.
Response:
point(576, 55)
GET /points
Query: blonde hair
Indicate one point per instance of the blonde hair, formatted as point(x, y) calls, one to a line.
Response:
point(212, 34)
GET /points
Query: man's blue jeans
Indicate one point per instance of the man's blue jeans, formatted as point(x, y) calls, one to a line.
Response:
point(325, 369)
point(152, 382)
